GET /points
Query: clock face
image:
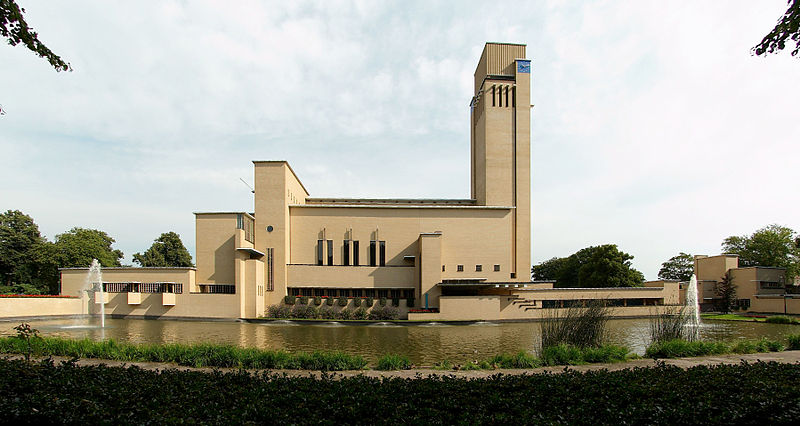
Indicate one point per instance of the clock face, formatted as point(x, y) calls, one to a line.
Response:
point(524, 67)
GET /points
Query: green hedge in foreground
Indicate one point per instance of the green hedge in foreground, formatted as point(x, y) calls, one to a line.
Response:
point(43, 393)
point(193, 355)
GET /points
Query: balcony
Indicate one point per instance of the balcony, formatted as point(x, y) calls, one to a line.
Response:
point(168, 299)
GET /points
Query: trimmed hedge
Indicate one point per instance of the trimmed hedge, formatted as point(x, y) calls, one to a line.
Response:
point(45, 393)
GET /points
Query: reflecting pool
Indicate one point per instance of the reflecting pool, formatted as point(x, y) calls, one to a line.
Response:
point(424, 343)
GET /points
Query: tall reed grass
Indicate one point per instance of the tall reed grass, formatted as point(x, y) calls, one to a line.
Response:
point(575, 326)
point(671, 323)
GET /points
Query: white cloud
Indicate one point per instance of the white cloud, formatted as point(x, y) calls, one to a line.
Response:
point(654, 128)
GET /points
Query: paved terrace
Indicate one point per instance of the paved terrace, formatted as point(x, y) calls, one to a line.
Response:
point(788, 357)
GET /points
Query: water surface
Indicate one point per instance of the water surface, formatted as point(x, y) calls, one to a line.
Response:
point(424, 343)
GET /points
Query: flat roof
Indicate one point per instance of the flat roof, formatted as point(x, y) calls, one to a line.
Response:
point(138, 268)
point(404, 206)
point(209, 213)
point(425, 201)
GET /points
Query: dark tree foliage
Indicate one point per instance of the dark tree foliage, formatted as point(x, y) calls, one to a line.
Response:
point(680, 267)
point(77, 247)
point(167, 250)
point(14, 28)
point(726, 291)
point(772, 245)
point(592, 267)
point(25, 262)
point(787, 29)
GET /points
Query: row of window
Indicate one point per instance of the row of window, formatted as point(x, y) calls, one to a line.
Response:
point(376, 253)
point(134, 287)
point(389, 293)
point(478, 268)
point(609, 302)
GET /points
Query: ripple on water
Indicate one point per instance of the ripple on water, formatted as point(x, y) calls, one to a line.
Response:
point(383, 324)
point(435, 324)
point(485, 324)
point(330, 324)
point(281, 322)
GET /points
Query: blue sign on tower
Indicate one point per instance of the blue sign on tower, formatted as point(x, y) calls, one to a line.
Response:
point(524, 66)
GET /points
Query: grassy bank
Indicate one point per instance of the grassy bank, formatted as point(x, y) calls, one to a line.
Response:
point(192, 355)
point(678, 348)
point(44, 393)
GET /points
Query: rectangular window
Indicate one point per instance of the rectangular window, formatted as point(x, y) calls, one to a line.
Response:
point(408, 293)
point(306, 291)
point(383, 253)
point(330, 252)
point(346, 253)
point(442, 268)
point(497, 268)
point(370, 292)
point(478, 268)
point(395, 294)
point(356, 292)
point(460, 268)
point(270, 269)
point(383, 293)
point(319, 292)
point(513, 275)
point(355, 253)
point(372, 253)
point(319, 252)
point(344, 292)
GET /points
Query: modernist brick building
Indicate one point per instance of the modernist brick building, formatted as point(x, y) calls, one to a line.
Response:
point(457, 258)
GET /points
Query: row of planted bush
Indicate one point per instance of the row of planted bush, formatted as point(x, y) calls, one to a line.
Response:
point(193, 355)
point(680, 348)
point(378, 313)
point(554, 355)
point(49, 393)
point(366, 302)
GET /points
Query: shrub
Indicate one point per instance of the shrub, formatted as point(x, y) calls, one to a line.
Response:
point(304, 312)
point(410, 302)
point(326, 312)
point(342, 301)
point(521, 359)
point(393, 362)
point(443, 365)
point(356, 302)
point(279, 311)
point(317, 300)
point(303, 300)
point(360, 314)
point(289, 300)
point(329, 301)
point(794, 341)
point(369, 302)
point(382, 301)
point(780, 319)
point(576, 326)
point(384, 313)
point(678, 348)
point(345, 314)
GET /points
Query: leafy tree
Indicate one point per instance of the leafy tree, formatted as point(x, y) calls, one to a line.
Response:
point(592, 267)
point(787, 28)
point(14, 28)
point(548, 270)
point(726, 291)
point(680, 267)
point(167, 250)
point(19, 240)
point(78, 246)
point(772, 245)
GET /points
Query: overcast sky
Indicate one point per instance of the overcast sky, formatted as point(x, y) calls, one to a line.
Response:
point(653, 128)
